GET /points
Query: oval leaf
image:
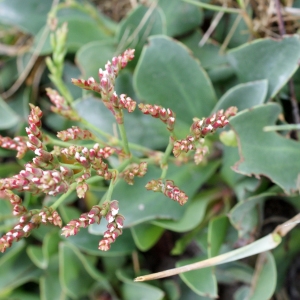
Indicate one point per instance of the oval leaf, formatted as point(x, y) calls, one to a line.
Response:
point(90, 67)
point(8, 118)
point(264, 283)
point(28, 18)
point(146, 235)
point(202, 281)
point(268, 59)
point(244, 95)
point(168, 75)
point(181, 17)
point(266, 153)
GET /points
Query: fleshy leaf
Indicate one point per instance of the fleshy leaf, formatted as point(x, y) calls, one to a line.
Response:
point(15, 13)
point(100, 51)
point(266, 153)
point(217, 230)
point(244, 95)
point(146, 235)
point(255, 61)
point(16, 268)
point(132, 290)
point(168, 75)
point(244, 216)
point(193, 215)
point(181, 17)
point(264, 284)
point(202, 281)
point(8, 118)
point(88, 243)
point(77, 274)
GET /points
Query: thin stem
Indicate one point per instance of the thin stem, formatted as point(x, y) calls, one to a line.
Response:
point(110, 190)
point(282, 127)
point(114, 182)
point(117, 141)
point(61, 86)
point(280, 19)
point(63, 197)
point(124, 139)
point(293, 99)
point(294, 103)
point(214, 7)
point(164, 159)
point(211, 28)
point(57, 142)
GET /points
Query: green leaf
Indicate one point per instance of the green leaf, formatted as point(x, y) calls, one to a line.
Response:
point(180, 17)
point(202, 281)
point(244, 215)
point(28, 18)
point(167, 75)
point(16, 269)
point(264, 284)
point(234, 272)
point(8, 118)
point(255, 61)
point(138, 25)
point(217, 229)
point(266, 153)
point(90, 67)
point(230, 156)
point(20, 294)
point(136, 291)
point(8, 73)
point(36, 255)
point(82, 29)
point(50, 287)
point(285, 255)
point(74, 278)
point(244, 96)
point(193, 215)
point(77, 275)
point(88, 243)
point(171, 289)
point(209, 54)
point(146, 235)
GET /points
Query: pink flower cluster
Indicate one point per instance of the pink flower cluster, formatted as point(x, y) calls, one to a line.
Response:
point(133, 170)
point(61, 106)
point(75, 133)
point(106, 87)
point(156, 111)
point(91, 158)
point(200, 128)
point(108, 210)
point(168, 189)
point(16, 202)
point(18, 143)
point(27, 223)
point(36, 180)
point(34, 133)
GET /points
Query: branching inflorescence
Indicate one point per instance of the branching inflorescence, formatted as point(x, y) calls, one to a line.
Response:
point(48, 173)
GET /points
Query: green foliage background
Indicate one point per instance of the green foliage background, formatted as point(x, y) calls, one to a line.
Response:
point(227, 195)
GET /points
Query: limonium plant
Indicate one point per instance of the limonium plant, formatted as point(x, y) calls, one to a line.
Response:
point(48, 173)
